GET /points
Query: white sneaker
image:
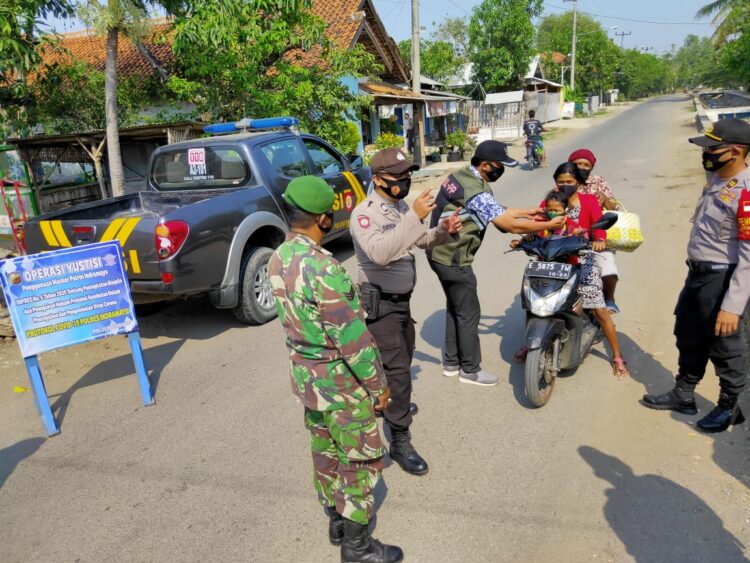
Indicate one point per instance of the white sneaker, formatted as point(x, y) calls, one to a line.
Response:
point(450, 371)
point(481, 377)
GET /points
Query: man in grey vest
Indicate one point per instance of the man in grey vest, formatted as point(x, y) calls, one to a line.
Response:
point(468, 190)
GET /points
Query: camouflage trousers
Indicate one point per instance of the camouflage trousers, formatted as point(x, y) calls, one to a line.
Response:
point(347, 454)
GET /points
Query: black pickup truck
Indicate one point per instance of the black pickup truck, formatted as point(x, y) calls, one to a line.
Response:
point(210, 216)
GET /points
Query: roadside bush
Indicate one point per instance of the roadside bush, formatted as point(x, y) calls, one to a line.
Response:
point(388, 140)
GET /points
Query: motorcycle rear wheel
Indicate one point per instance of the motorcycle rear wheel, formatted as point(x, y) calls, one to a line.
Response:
point(539, 377)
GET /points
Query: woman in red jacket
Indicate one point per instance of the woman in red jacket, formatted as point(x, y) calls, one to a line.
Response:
point(584, 210)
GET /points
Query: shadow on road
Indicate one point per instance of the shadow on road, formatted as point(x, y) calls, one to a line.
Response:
point(157, 358)
point(657, 519)
point(11, 456)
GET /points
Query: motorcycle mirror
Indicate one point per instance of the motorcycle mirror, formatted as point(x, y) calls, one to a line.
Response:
point(605, 222)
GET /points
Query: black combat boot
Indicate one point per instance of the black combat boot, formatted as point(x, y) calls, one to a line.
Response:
point(680, 399)
point(725, 413)
point(335, 526)
point(403, 453)
point(360, 547)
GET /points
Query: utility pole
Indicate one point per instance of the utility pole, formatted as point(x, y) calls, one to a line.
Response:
point(573, 49)
point(622, 35)
point(416, 86)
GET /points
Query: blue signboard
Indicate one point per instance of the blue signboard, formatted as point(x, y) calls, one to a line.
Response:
point(68, 297)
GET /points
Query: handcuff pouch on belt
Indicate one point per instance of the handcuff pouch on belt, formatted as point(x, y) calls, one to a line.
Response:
point(370, 299)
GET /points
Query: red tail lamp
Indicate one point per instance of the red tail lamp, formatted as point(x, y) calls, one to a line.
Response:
point(169, 237)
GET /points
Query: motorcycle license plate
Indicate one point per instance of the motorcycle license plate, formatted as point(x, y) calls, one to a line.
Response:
point(552, 270)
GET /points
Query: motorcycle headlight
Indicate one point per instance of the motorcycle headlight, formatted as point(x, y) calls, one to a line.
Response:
point(548, 305)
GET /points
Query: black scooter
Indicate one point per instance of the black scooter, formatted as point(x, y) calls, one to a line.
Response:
point(559, 332)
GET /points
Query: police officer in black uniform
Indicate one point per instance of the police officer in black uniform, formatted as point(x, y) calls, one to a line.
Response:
point(712, 310)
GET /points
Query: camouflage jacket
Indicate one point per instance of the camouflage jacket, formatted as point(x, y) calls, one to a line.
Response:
point(333, 357)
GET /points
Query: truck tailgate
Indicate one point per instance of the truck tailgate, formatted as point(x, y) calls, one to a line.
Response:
point(135, 234)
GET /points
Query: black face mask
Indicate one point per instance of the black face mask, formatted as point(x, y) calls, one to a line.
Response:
point(404, 185)
point(711, 162)
point(494, 173)
point(567, 191)
point(585, 173)
point(327, 229)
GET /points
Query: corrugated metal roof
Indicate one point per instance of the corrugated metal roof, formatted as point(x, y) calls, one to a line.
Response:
point(504, 97)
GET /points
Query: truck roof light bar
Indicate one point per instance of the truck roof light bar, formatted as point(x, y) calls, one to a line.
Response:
point(250, 125)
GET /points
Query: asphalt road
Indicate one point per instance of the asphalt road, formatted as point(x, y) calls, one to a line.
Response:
point(219, 468)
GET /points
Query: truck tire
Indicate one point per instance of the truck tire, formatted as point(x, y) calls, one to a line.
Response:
point(255, 304)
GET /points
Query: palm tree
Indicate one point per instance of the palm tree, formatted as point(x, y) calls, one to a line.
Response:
point(723, 12)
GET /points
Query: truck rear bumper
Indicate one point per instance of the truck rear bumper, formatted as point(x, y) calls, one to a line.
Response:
point(151, 286)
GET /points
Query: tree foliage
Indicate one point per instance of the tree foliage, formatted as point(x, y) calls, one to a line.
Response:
point(437, 59)
point(248, 58)
point(642, 74)
point(597, 57)
point(698, 63)
point(503, 41)
point(456, 32)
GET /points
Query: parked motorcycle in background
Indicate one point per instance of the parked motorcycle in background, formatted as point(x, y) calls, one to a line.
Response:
point(559, 332)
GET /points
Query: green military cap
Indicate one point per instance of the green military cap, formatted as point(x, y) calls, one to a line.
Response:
point(310, 194)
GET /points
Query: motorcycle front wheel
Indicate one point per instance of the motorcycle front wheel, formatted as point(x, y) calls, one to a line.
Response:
point(539, 376)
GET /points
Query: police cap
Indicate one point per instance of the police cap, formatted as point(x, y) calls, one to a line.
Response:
point(311, 194)
point(724, 132)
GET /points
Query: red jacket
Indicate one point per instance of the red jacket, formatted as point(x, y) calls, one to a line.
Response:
point(591, 212)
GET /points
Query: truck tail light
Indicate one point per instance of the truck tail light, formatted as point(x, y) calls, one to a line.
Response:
point(169, 238)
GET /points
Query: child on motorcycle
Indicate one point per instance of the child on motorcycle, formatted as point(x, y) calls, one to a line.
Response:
point(581, 213)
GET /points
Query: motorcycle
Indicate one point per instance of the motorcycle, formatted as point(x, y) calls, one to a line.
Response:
point(559, 332)
point(533, 154)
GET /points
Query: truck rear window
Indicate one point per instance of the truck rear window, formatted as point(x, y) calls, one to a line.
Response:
point(199, 168)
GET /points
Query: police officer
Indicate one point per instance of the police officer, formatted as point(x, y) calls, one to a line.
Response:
point(335, 369)
point(385, 230)
point(468, 192)
point(712, 310)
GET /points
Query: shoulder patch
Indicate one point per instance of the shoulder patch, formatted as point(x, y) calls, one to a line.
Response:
point(363, 221)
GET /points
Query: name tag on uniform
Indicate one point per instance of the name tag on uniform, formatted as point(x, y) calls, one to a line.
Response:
point(389, 226)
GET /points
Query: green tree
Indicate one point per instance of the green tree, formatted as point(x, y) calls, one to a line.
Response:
point(274, 60)
point(437, 59)
point(503, 41)
point(642, 74)
point(456, 32)
point(725, 14)
point(597, 56)
point(698, 63)
point(734, 54)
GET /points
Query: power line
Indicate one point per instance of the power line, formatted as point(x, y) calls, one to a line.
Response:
point(626, 19)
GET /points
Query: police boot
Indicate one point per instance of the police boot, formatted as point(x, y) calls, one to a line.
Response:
point(360, 547)
point(680, 399)
point(725, 413)
point(335, 526)
point(403, 453)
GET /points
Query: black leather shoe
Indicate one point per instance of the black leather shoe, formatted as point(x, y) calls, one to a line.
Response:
point(720, 418)
point(413, 408)
point(335, 526)
point(403, 453)
point(360, 547)
point(680, 400)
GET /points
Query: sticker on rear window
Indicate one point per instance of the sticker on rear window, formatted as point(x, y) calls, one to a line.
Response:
point(197, 162)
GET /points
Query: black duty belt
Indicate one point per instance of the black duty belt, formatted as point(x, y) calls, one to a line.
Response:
point(708, 267)
point(395, 297)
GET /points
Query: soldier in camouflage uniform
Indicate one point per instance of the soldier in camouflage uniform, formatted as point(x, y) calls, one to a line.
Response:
point(336, 370)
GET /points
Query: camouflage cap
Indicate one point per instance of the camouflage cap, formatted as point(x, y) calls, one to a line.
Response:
point(311, 194)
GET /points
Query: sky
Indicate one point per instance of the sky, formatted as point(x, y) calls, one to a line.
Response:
point(396, 16)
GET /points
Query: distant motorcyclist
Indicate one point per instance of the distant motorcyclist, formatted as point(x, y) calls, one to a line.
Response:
point(533, 130)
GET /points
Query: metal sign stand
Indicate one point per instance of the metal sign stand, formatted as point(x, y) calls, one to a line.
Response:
point(40, 391)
